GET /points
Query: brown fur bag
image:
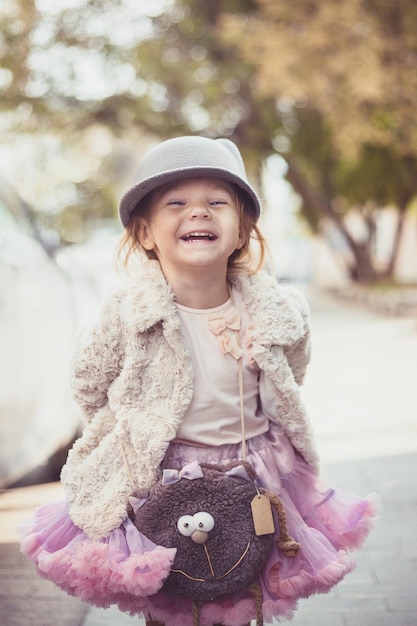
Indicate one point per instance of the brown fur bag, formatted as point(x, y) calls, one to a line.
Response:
point(206, 513)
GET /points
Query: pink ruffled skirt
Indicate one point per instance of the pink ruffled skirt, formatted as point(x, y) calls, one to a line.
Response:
point(127, 569)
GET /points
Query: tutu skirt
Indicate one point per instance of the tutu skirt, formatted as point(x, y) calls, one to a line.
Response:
point(127, 569)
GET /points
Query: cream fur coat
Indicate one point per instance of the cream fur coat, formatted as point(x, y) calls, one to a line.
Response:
point(133, 380)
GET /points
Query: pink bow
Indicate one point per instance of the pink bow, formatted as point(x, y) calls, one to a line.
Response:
point(228, 342)
point(229, 345)
point(239, 471)
point(231, 319)
point(190, 472)
point(136, 503)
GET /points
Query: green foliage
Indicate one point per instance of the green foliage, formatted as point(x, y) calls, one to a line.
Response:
point(382, 176)
point(331, 87)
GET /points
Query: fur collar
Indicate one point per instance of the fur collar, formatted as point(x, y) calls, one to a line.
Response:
point(149, 300)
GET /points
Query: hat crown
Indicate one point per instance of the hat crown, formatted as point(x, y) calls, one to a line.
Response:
point(188, 157)
point(188, 153)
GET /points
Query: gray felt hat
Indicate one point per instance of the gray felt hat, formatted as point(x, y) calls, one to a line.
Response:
point(188, 157)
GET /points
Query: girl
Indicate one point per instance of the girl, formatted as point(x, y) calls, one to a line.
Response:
point(157, 379)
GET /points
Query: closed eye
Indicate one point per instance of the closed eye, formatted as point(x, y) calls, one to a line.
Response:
point(217, 202)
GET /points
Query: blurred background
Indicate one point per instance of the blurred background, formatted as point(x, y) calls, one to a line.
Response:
point(322, 103)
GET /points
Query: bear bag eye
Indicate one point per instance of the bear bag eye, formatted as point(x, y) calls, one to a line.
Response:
point(185, 525)
point(203, 521)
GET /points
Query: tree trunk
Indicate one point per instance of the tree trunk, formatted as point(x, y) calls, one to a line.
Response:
point(390, 268)
point(362, 269)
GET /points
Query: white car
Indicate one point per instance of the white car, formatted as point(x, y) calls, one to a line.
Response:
point(38, 418)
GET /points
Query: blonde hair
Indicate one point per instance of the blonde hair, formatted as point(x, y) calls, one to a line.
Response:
point(242, 259)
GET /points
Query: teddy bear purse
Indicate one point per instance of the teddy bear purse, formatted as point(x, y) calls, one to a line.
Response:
point(222, 527)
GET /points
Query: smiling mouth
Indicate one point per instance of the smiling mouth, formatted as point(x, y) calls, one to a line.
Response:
point(215, 577)
point(199, 236)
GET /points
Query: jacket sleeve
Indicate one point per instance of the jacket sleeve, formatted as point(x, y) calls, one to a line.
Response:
point(97, 359)
point(298, 354)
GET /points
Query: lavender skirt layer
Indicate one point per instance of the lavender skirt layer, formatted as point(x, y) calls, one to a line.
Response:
point(128, 570)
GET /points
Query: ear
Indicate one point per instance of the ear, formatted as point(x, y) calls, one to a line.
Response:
point(145, 236)
point(241, 239)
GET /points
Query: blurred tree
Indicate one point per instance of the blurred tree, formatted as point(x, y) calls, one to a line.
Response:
point(355, 63)
point(65, 76)
point(331, 88)
point(346, 80)
point(333, 188)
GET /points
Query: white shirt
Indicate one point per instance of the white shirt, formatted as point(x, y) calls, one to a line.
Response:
point(214, 416)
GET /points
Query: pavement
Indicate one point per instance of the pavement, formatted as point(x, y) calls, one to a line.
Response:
point(360, 391)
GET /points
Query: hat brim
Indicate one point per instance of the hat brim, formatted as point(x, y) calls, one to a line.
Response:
point(132, 198)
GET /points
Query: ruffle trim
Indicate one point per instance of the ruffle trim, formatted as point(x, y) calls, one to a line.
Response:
point(304, 584)
point(240, 608)
point(97, 571)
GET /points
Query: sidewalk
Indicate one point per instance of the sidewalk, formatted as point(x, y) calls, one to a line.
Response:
point(361, 394)
point(381, 591)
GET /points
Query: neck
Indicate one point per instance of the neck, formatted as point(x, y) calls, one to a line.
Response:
point(205, 292)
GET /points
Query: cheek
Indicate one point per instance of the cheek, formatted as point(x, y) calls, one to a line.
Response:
point(235, 226)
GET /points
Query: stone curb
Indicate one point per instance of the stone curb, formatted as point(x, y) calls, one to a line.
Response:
point(394, 302)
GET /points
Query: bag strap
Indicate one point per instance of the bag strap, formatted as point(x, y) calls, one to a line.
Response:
point(242, 404)
point(127, 466)
point(242, 409)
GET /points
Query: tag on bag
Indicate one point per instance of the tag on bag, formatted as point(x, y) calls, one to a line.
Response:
point(263, 519)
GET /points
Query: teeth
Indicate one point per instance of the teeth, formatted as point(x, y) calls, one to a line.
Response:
point(199, 235)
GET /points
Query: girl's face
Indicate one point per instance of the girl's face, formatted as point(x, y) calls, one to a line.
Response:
point(192, 224)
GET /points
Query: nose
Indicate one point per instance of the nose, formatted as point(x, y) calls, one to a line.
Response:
point(199, 211)
point(199, 536)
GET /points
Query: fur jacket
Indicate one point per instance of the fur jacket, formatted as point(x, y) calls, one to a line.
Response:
point(133, 379)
